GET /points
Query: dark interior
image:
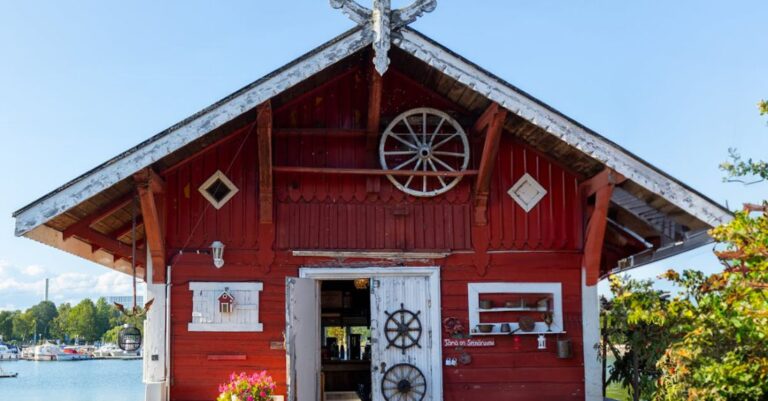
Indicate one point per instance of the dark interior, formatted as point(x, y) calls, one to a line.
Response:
point(345, 339)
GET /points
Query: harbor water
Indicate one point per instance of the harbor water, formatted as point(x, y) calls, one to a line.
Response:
point(91, 380)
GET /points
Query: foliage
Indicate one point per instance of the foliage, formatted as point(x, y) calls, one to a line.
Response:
point(84, 322)
point(6, 324)
point(60, 325)
point(43, 314)
point(737, 169)
point(244, 387)
point(722, 354)
point(111, 335)
point(636, 329)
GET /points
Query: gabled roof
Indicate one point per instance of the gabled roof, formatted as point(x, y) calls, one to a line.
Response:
point(648, 181)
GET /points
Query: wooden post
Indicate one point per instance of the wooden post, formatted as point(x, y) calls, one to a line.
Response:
point(376, 83)
point(149, 184)
point(264, 132)
point(266, 209)
point(493, 119)
point(375, 87)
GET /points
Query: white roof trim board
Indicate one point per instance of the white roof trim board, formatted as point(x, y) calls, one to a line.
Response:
point(412, 42)
point(556, 124)
point(191, 129)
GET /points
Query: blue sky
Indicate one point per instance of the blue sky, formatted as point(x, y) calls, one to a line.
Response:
point(674, 82)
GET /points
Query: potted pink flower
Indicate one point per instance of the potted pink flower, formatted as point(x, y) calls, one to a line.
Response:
point(244, 387)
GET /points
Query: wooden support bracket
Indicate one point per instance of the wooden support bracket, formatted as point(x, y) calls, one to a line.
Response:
point(600, 180)
point(148, 184)
point(601, 185)
point(492, 119)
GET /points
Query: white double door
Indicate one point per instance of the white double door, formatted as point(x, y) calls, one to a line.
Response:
point(405, 333)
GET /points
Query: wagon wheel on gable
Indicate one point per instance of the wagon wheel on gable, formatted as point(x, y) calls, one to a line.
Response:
point(424, 140)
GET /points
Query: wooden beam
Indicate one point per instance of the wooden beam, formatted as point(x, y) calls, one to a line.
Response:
point(600, 180)
point(119, 249)
point(375, 84)
point(126, 228)
point(149, 177)
point(98, 215)
point(146, 184)
point(369, 171)
point(264, 132)
point(593, 245)
point(496, 117)
point(486, 118)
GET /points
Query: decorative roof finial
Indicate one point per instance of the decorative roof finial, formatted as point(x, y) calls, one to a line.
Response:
point(382, 20)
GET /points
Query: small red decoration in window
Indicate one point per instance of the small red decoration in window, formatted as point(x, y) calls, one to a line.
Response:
point(226, 302)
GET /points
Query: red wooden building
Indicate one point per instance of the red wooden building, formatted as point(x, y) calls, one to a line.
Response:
point(369, 196)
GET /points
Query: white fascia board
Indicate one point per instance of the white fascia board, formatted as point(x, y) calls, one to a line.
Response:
point(128, 163)
point(558, 125)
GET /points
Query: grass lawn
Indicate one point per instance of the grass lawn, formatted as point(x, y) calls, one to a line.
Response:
point(616, 392)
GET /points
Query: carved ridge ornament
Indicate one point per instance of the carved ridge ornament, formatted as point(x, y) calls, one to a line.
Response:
point(382, 20)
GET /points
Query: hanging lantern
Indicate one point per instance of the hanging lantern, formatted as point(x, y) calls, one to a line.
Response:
point(129, 338)
point(361, 283)
point(217, 250)
point(542, 342)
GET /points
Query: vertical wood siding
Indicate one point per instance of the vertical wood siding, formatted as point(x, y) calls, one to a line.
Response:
point(323, 128)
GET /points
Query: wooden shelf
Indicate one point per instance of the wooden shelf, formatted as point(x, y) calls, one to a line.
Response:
point(548, 297)
point(516, 309)
point(519, 333)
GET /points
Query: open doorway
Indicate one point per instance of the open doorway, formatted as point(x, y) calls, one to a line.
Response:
point(345, 333)
point(397, 312)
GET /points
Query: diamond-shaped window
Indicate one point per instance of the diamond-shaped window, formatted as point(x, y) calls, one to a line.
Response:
point(218, 189)
point(527, 192)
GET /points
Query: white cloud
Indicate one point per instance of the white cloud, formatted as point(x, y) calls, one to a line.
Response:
point(33, 270)
point(24, 287)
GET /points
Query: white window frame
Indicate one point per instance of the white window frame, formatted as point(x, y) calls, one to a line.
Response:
point(218, 287)
point(475, 289)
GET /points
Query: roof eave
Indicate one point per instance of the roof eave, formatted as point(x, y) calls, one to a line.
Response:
point(143, 155)
point(557, 124)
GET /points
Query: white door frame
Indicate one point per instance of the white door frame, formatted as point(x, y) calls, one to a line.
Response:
point(431, 272)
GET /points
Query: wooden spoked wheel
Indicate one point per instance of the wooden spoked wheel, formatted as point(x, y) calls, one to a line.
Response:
point(424, 140)
point(403, 382)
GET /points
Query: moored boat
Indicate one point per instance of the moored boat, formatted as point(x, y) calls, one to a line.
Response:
point(8, 354)
point(4, 374)
point(73, 353)
point(45, 352)
point(112, 351)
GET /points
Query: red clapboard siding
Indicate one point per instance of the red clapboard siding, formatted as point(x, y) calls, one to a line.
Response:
point(324, 128)
point(510, 366)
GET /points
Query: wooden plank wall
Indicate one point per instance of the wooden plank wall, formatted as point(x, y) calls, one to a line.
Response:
point(345, 212)
point(516, 370)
